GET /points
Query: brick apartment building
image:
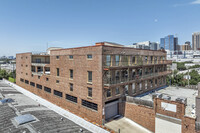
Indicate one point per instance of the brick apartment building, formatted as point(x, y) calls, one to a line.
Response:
point(92, 81)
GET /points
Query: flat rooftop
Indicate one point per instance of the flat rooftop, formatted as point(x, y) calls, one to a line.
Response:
point(176, 92)
point(46, 120)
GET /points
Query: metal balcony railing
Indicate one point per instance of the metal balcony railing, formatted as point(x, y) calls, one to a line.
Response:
point(110, 81)
point(41, 62)
point(136, 63)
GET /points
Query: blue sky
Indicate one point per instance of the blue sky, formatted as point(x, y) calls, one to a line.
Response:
point(28, 25)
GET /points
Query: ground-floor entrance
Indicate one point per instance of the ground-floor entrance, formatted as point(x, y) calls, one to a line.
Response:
point(111, 109)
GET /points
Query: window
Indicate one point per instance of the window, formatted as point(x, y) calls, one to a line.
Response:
point(163, 80)
point(39, 86)
point(90, 105)
point(71, 56)
point(151, 83)
point(22, 80)
point(47, 79)
point(140, 72)
point(37, 60)
point(117, 75)
point(146, 85)
point(26, 73)
point(89, 76)
point(146, 71)
point(117, 91)
point(150, 70)
point(71, 87)
point(156, 69)
point(155, 60)
point(57, 57)
point(47, 89)
point(57, 93)
point(57, 81)
point(125, 60)
point(22, 65)
point(126, 89)
point(38, 77)
point(108, 60)
point(40, 69)
point(140, 86)
point(26, 65)
point(58, 71)
point(146, 59)
point(133, 60)
point(71, 74)
point(160, 81)
point(133, 88)
point(125, 74)
point(108, 93)
point(155, 82)
point(26, 81)
point(117, 60)
point(32, 84)
point(151, 59)
point(89, 92)
point(89, 56)
point(133, 73)
point(71, 98)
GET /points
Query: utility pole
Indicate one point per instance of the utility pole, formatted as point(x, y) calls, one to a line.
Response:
point(188, 77)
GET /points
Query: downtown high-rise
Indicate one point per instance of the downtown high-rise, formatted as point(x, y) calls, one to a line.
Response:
point(169, 43)
point(196, 40)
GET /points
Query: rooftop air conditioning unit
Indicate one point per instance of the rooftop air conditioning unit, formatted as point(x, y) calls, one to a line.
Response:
point(182, 100)
point(157, 95)
point(165, 97)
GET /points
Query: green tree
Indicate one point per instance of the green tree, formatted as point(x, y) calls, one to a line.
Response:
point(195, 77)
point(3, 74)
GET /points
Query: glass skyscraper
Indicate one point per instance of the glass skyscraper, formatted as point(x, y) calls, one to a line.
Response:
point(169, 43)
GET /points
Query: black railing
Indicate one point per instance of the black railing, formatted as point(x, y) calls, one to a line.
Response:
point(137, 63)
point(41, 62)
point(110, 81)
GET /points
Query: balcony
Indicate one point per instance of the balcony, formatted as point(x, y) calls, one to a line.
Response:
point(124, 80)
point(38, 70)
point(40, 60)
point(109, 64)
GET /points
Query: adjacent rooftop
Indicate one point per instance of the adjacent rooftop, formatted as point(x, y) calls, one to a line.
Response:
point(23, 114)
point(176, 93)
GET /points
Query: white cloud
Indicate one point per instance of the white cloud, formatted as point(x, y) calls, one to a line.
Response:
point(196, 2)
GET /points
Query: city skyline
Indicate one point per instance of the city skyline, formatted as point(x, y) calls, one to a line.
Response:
point(30, 25)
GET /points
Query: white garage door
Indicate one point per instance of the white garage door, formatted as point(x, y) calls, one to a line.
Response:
point(111, 109)
point(166, 124)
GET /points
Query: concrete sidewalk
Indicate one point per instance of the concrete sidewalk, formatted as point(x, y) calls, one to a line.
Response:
point(126, 126)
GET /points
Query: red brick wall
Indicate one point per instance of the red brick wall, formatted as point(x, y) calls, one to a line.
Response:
point(188, 125)
point(180, 108)
point(146, 116)
point(140, 114)
point(80, 65)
